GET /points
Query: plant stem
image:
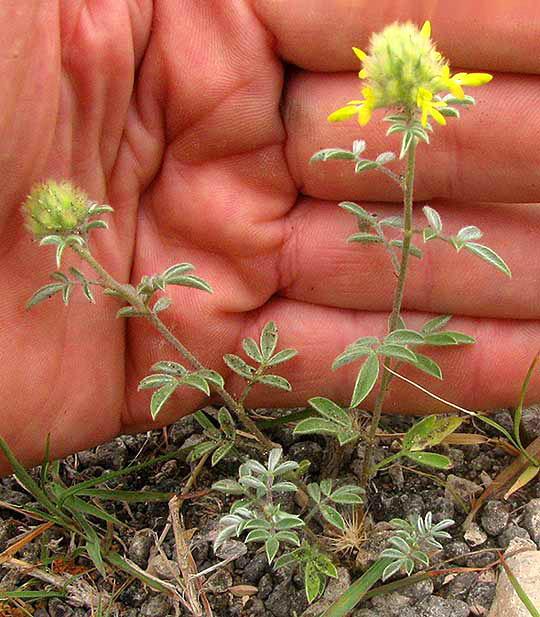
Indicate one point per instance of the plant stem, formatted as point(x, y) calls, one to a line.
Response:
point(395, 315)
point(132, 298)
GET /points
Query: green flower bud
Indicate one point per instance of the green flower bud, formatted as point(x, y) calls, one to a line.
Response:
point(401, 60)
point(55, 208)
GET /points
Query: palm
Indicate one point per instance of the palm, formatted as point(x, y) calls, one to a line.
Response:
point(202, 164)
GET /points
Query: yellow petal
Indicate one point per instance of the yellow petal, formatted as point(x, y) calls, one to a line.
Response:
point(426, 29)
point(343, 113)
point(362, 74)
point(476, 79)
point(424, 114)
point(455, 89)
point(423, 96)
point(359, 53)
point(364, 115)
point(437, 115)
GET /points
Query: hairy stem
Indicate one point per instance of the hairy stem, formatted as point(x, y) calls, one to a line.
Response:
point(135, 301)
point(395, 315)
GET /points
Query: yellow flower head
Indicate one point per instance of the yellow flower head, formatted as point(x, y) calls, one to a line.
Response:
point(404, 71)
point(55, 208)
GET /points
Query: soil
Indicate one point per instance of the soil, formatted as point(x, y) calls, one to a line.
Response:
point(247, 586)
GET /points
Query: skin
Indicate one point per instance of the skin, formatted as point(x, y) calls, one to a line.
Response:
point(195, 120)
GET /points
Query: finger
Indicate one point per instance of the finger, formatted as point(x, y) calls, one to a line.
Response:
point(319, 266)
point(485, 375)
point(488, 154)
point(497, 36)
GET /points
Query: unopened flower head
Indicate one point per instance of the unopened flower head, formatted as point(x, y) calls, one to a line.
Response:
point(55, 208)
point(403, 70)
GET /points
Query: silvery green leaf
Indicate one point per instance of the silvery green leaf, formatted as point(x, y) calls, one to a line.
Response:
point(437, 461)
point(385, 157)
point(286, 560)
point(226, 422)
point(413, 250)
point(284, 487)
point(88, 294)
point(224, 535)
point(238, 365)
point(156, 381)
point(288, 536)
point(488, 255)
point(359, 145)
point(169, 367)
point(275, 381)
point(257, 535)
point(447, 522)
point(406, 142)
point(160, 397)
point(350, 355)
point(52, 239)
point(314, 492)
point(449, 112)
point(397, 127)
point(471, 232)
point(326, 486)
point(363, 341)
point(365, 165)
point(348, 494)
point(289, 521)
point(66, 293)
point(435, 324)
point(440, 338)
point(400, 544)
point(421, 557)
point(195, 381)
point(97, 209)
point(367, 376)
point(391, 569)
point(332, 516)
point(404, 337)
point(59, 252)
point(281, 356)
point(252, 466)
point(328, 154)
point(454, 100)
point(312, 582)
point(221, 452)
point(433, 218)
point(212, 376)
point(325, 565)
point(163, 303)
point(228, 486)
point(331, 411)
point(400, 352)
point(99, 224)
point(189, 280)
point(200, 450)
point(429, 366)
point(74, 239)
point(177, 270)
point(252, 349)
point(252, 482)
point(392, 221)
point(396, 118)
point(44, 293)
point(347, 436)
point(271, 547)
point(268, 340)
point(274, 457)
point(285, 467)
point(353, 208)
point(315, 425)
point(365, 238)
point(60, 276)
point(128, 311)
point(258, 523)
point(392, 553)
point(428, 233)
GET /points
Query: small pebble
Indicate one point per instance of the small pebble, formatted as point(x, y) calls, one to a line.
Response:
point(495, 517)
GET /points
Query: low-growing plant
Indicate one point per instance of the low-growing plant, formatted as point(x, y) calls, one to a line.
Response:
point(404, 74)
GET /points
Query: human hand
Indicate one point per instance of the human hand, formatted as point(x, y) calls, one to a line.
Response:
point(182, 117)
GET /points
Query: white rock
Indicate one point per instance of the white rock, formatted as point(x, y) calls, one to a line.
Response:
point(526, 568)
